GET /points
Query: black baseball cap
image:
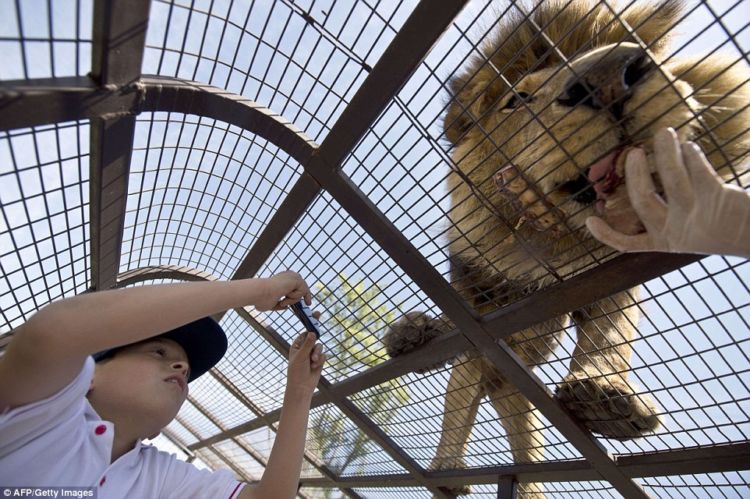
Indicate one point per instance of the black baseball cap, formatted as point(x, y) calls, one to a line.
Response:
point(204, 342)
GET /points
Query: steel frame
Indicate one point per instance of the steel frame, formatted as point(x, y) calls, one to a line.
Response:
point(116, 93)
point(119, 37)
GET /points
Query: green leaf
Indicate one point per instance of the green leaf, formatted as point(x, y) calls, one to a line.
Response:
point(354, 315)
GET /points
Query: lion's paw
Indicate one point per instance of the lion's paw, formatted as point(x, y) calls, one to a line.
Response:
point(458, 490)
point(451, 463)
point(413, 330)
point(609, 407)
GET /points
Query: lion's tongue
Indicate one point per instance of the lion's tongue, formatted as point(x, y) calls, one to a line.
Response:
point(612, 203)
point(599, 171)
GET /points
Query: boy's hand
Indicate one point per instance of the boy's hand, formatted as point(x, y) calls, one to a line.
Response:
point(701, 214)
point(306, 359)
point(282, 290)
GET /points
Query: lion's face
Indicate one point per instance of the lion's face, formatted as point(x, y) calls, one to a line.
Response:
point(565, 129)
point(540, 134)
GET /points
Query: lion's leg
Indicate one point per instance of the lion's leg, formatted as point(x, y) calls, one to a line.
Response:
point(462, 398)
point(597, 390)
point(523, 428)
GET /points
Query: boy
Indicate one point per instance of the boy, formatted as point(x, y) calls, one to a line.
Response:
point(67, 422)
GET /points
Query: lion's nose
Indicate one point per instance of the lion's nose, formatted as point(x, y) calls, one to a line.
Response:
point(604, 79)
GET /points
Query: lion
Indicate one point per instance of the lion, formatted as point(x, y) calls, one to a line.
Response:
point(539, 127)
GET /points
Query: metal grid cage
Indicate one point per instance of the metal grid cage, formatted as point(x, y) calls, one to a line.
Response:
point(360, 143)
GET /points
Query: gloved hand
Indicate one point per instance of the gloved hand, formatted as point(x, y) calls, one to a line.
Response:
point(701, 214)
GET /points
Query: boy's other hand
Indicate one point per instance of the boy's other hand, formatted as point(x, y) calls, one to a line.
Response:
point(282, 290)
point(306, 360)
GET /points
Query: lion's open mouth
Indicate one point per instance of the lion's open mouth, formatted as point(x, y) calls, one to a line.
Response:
point(603, 185)
point(607, 176)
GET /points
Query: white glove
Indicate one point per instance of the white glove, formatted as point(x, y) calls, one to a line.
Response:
point(701, 214)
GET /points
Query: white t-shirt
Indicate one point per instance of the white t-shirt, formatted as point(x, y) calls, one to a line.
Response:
point(62, 442)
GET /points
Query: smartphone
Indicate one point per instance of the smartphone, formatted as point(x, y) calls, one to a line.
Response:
point(303, 312)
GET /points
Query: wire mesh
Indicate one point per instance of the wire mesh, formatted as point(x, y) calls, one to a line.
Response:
point(236, 451)
point(322, 493)
point(557, 490)
point(260, 377)
point(179, 433)
point(688, 356)
point(359, 289)
point(418, 190)
point(477, 253)
point(218, 395)
point(729, 484)
point(215, 460)
point(305, 60)
point(43, 39)
point(201, 192)
point(410, 410)
point(44, 231)
point(346, 448)
point(393, 493)
point(247, 463)
point(593, 489)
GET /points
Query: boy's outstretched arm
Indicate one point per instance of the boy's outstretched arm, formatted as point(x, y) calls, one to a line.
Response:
point(282, 473)
point(48, 351)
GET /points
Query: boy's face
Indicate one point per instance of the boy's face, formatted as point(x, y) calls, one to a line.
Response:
point(146, 381)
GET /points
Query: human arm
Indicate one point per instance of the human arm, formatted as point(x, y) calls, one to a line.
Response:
point(701, 214)
point(48, 350)
point(282, 472)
